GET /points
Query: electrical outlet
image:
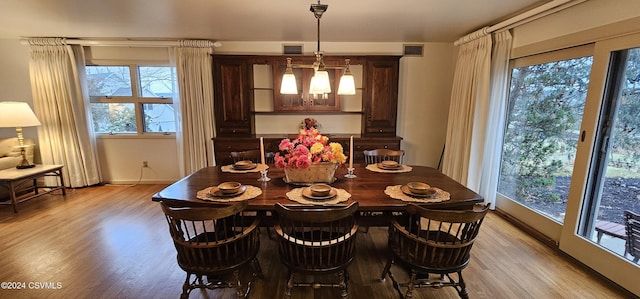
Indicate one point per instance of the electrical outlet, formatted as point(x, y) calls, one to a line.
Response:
point(145, 164)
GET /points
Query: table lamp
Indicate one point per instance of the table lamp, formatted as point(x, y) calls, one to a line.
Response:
point(18, 115)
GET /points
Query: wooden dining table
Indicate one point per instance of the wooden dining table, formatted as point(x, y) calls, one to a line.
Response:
point(367, 188)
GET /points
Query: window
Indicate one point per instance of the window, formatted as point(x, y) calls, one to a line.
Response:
point(546, 103)
point(131, 99)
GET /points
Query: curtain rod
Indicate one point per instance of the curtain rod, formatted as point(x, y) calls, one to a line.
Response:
point(124, 43)
point(527, 16)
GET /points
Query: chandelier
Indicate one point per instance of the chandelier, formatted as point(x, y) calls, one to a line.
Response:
point(320, 81)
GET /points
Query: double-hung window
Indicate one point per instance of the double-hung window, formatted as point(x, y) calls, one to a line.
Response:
point(132, 99)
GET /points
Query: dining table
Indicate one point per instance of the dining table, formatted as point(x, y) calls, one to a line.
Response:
point(370, 188)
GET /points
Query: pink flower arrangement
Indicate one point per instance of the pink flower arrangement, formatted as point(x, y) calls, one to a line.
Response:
point(309, 147)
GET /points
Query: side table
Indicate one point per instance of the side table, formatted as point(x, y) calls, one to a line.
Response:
point(11, 178)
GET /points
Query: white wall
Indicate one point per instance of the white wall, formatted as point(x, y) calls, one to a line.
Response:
point(121, 159)
point(423, 102)
point(15, 84)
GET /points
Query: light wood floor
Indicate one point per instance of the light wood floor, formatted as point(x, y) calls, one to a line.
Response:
point(113, 242)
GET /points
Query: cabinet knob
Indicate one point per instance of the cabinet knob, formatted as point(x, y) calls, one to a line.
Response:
point(380, 131)
point(386, 146)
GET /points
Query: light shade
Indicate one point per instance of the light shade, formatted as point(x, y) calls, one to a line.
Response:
point(347, 85)
point(289, 84)
point(320, 83)
point(17, 114)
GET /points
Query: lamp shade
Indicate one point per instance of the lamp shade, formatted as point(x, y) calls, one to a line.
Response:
point(289, 84)
point(320, 83)
point(347, 85)
point(17, 114)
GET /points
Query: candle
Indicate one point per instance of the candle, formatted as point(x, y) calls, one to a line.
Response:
point(262, 150)
point(351, 152)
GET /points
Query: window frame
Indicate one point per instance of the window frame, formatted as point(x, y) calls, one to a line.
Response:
point(542, 223)
point(136, 98)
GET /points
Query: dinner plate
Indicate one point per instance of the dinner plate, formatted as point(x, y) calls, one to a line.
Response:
point(395, 167)
point(214, 191)
point(306, 192)
point(245, 167)
point(405, 189)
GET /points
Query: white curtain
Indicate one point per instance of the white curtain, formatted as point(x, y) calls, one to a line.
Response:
point(59, 100)
point(496, 116)
point(194, 107)
point(463, 154)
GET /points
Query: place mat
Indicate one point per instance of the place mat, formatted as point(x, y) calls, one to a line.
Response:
point(296, 195)
point(396, 193)
point(229, 168)
point(251, 192)
point(375, 168)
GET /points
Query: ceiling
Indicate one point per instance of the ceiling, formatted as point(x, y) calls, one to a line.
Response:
point(255, 20)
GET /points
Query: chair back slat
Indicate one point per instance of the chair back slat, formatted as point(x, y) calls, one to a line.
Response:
point(316, 239)
point(437, 240)
point(378, 155)
point(253, 156)
point(632, 228)
point(210, 239)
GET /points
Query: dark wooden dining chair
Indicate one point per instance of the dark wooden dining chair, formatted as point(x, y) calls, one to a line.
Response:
point(252, 155)
point(378, 155)
point(316, 240)
point(215, 242)
point(438, 242)
point(632, 225)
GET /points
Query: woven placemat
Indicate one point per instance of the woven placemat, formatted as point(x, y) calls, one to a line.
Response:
point(251, 192)
point(375, 168)
point(296, 195)
point(229, 168)
point(396, 193)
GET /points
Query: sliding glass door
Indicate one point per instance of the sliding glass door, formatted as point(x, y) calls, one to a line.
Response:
point(614, 176)
point(606, 177)
point(571, 155)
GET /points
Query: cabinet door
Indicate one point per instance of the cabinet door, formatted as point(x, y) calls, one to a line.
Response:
point(232, 94)
point(303, 101)
point(381, 96)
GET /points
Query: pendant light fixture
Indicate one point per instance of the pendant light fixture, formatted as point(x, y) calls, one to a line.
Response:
point(320, 83)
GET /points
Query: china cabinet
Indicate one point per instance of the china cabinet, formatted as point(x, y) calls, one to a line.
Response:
point(234, 100)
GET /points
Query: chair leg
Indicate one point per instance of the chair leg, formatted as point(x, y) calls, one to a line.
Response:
point(463, 288)
point(185, 287)
point(255, 263)
point(343, 285)
point(410, 285)
point(287, 291)
point(236, 278)
point(386, 269)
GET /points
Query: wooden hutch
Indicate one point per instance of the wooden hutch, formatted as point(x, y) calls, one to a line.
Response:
point(234, 94)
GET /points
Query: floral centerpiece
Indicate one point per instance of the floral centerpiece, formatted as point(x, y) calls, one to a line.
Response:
point(310, 157)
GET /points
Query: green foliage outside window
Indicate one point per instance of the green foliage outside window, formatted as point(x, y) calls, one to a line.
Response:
point(545, 108)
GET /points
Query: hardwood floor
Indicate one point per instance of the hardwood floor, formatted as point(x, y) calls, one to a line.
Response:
point(113, 242)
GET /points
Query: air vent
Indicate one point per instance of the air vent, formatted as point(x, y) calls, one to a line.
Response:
point(413, 50)
point(291, 49)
